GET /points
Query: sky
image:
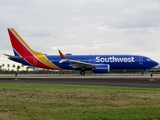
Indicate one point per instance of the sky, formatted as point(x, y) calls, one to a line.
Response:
point(83, 27)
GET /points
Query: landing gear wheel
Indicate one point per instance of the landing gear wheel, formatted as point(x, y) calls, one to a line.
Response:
point(82, 72)
point(142, 73)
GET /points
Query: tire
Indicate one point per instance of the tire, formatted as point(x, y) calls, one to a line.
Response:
point(82, 72)
point(142, 73)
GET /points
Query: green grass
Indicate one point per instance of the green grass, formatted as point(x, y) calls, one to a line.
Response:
point(76, 102)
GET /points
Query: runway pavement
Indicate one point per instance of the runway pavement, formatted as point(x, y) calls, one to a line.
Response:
point(103, 80)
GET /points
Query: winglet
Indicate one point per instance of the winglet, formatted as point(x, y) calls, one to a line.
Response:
point(62, 55)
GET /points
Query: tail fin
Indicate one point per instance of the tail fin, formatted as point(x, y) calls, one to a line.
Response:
point(20, 47)
point(23, 52)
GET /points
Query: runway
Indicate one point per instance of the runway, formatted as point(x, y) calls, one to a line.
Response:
point(101, 80)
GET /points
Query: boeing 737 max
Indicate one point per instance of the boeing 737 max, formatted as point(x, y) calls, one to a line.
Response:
point(97, 63)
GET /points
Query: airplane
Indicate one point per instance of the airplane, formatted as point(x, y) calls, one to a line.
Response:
point(97, 63)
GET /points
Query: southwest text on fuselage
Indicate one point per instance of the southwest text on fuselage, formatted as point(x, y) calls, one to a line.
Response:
point(114, 59)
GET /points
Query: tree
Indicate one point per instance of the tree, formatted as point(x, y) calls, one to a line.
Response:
point(22, 66)
point(8, 65)
point(3, 65)
point(13, 66)
point(27, 69)
point(18, 67)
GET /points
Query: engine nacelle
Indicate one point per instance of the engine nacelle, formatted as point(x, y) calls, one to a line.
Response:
point(101, 68)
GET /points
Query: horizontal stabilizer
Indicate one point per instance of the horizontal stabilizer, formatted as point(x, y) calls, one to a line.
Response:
point(12, 56)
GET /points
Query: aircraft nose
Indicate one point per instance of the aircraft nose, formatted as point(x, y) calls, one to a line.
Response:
point(156, 64)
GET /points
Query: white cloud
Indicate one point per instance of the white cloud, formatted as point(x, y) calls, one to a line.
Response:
point(83, 27)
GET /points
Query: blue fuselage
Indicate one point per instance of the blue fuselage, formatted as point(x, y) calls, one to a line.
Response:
point(114, 61)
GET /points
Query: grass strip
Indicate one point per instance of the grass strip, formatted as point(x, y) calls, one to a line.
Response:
point(76, 102)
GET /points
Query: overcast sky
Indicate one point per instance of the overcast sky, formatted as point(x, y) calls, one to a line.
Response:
point(83, 27)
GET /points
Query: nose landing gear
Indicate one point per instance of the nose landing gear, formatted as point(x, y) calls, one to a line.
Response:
point(142, 73)
point(82, 72)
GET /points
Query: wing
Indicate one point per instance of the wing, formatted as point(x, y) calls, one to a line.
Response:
point(78, 64)
point(74, 63)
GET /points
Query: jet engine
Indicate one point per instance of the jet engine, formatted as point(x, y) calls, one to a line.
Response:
point(101, 68)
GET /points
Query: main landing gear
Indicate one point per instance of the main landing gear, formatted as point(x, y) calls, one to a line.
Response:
point(82, 72)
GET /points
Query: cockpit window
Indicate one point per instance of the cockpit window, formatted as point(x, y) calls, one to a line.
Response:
point(148, 59)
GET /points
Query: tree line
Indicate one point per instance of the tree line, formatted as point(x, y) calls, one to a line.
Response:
point(30, 69)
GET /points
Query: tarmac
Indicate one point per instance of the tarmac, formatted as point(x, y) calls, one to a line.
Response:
point(125, 80)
